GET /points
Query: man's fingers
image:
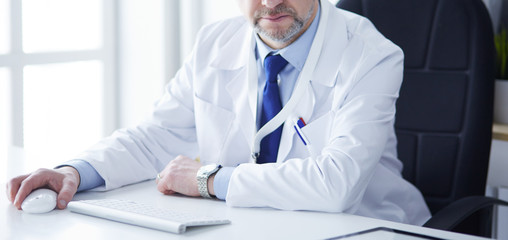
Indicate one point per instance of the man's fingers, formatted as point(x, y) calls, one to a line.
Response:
point(164, 186)
point(179, 176)
point(161, 187)
point(169, 192)
point(67, 186)
point(65, 195)
point(13, 186)
point(29, 184)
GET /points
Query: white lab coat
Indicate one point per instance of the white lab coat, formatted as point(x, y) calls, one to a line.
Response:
point(349, 106)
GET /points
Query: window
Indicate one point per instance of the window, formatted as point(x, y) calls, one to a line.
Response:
point(4, 26)
point(56, 66)
point(4, 111)
point(62, 109)
point(60, 25)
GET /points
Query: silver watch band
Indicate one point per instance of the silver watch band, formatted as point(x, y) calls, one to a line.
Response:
point(202, 176)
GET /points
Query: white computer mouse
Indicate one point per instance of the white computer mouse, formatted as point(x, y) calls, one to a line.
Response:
point(39, 201)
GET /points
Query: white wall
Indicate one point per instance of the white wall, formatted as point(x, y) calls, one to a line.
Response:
point(497, 182)
point(498, 167)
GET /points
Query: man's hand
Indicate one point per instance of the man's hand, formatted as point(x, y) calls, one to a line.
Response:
point(179, 176)
point(64, 181)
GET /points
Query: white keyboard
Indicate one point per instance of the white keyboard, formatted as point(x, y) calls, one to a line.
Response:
point(142, 214)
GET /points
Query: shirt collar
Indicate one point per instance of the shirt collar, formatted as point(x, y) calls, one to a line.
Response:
point(296, 53)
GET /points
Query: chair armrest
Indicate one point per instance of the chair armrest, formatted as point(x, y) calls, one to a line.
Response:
point(453, 214)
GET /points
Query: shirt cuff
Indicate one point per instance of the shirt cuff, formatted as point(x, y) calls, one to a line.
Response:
point(89, 177)
point(221, 182)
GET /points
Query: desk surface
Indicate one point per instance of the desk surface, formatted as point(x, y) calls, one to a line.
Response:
point(247, 223)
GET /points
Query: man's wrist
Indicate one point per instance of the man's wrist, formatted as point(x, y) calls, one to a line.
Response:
point(88, 177)
point(210, 184)
point(70, 171)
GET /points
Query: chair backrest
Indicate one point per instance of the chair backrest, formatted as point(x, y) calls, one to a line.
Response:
point(444, 112)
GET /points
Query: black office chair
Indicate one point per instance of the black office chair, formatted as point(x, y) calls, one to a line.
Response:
point(444, 113)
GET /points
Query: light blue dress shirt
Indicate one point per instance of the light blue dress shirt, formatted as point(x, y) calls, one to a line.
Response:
point(89, 177)
point(296, 55)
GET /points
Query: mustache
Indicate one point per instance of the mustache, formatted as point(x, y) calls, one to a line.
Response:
point(274, 11)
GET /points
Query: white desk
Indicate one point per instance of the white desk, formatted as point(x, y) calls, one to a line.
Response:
point(247, 223)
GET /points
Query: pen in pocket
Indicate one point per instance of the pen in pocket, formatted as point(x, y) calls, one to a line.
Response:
point(299, 124)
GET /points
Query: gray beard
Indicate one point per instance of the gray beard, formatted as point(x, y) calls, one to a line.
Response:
point(287, 35)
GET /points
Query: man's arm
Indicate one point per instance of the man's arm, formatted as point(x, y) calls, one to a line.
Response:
point(89, 177)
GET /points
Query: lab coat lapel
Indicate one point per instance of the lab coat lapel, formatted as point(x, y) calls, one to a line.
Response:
point(238, 88)
point(235, 63)
point(325, 75)
point(334, 43)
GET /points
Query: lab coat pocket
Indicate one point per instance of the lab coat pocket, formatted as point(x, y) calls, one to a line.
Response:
point(318, 131)
point(213, 124)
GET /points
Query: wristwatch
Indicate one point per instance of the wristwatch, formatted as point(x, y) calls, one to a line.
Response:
point(203, 174)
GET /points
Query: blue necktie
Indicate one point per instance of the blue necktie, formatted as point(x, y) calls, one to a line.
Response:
point(271, 106)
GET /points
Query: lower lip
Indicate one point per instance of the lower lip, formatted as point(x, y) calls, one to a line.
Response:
point(275, 19)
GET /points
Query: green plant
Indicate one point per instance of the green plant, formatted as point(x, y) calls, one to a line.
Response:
point(501, 42)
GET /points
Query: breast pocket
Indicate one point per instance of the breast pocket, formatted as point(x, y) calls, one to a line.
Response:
point(318, 131)
point(212, 127)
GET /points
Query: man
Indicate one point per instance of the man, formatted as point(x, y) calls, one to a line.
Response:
point(296, 103)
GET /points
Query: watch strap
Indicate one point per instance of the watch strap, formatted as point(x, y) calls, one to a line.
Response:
point(202, 177)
